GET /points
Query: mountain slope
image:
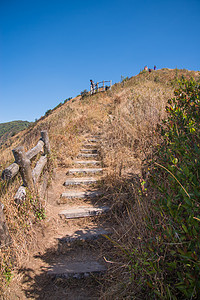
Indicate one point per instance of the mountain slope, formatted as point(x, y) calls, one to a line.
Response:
point(128, 118)
point(9, 129)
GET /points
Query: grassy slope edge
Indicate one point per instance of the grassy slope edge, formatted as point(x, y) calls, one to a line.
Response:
point(127, 118)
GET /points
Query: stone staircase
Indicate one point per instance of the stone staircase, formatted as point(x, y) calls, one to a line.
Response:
point(81, 187)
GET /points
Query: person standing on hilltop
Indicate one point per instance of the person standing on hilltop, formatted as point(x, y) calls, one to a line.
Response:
point(91, 86)
point(154, 68)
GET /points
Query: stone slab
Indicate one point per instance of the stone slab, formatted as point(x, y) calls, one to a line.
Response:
point(77, 269)
point(87, 155)
point(90, 145)
point(86, 162)
point(84, 170)
point(78, 194)
point(93, 140)
point(84, 235)
point(82, 212)
point(77, 181)
point(89, 150)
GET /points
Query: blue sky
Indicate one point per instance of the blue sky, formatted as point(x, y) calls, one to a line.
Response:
point(49, 50)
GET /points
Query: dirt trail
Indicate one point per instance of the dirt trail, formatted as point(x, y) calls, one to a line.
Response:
point(63, 244)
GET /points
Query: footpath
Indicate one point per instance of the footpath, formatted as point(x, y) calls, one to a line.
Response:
point(71, 262)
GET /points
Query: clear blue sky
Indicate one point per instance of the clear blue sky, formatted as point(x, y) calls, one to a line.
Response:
point(50, 49)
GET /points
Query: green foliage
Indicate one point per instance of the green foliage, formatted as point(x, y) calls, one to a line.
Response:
point(31, 208)
point(68, 99)
point(169, 262)
point(13, 127)
point(123, 79)
point(7, 271)
point(48, 112)
point(84, 93)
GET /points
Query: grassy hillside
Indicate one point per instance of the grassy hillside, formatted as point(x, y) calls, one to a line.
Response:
point(9, 129)
point(129, 118)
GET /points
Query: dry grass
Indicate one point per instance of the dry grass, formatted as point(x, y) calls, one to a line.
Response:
point(127, 118)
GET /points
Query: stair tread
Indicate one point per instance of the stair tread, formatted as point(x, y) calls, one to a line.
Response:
point(76, 269)
point(84, 170)
point(82, 180)
point(87, 162)
point(80, 194)
point(85, 234)
point(81, 212)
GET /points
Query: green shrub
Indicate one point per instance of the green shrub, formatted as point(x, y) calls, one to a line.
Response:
point(48, 112)
point(169, 260)
point(84, 93)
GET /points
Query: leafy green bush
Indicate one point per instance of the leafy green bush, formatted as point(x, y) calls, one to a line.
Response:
point(169, 260)
point(48, 112)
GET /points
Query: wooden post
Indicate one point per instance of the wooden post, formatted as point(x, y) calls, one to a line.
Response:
point(45, 139)
point(25, 166)
point(110, 83)
point(5, 238)
point(103, 86)
point(97, 86)
point(20, 196)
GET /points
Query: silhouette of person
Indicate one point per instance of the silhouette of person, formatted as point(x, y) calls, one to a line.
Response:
point(91, 86)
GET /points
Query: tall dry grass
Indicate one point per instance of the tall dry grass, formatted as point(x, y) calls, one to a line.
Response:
point(129, 137)
point(127, 118)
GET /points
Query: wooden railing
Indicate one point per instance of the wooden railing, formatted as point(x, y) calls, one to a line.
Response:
point(101, 86)
point(22, 164)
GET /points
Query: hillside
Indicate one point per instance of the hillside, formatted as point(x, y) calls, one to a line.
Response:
point(128, 119)
point(9, 129)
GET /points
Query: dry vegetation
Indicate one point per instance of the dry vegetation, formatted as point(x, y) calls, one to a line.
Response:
point(127, 117)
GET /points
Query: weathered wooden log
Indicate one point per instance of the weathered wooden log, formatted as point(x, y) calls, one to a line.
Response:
point(5, 238)
point(43, 186)
point(35, 150)
point(20, 196)
point(25, 166)
point(38, 168)
point(10, 171)
point(45, 139)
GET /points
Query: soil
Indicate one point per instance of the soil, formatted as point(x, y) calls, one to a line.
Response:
point(32, 280)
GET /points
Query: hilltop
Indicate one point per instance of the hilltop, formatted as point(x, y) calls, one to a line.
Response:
point(128, 117)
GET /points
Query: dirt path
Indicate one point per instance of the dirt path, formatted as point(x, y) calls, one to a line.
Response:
point(67, 262)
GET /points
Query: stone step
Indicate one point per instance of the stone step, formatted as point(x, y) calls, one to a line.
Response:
point(87, 155)
point(84, 170)
point(77, 269)
point(77, 181)
point(82, 212)
point(89, 150)
point(86, 162)
point(94, 140)
point(89, 145)
point(78, 194)
point(85, 235)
